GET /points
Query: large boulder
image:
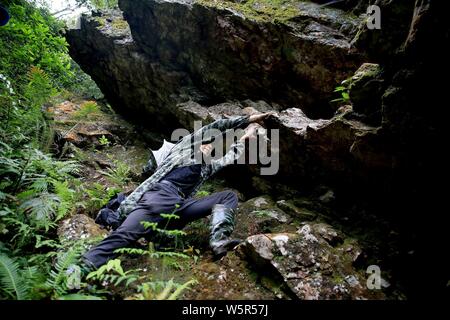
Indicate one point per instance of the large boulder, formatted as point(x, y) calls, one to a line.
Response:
point(260, 215)
point(170, 52)
point(313, 263)
point(80, 227)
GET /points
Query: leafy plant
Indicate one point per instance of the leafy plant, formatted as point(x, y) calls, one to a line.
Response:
point(11, 281)
point(98, 196)
point(162, 290)
point(88, 109)
point(343, 91)
point(78, 296)
point(32, 38)
point(58, 279)
point(39, 88)
point(104, 141)
point(112, 272)
point(202, 193)
point(119, 174)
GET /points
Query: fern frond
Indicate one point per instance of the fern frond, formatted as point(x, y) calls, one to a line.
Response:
point(131, 251)
point(181, 288)
point(66, 198)
point(57, 279)
point(10, 279)
point(151, 254)
point(42, 209)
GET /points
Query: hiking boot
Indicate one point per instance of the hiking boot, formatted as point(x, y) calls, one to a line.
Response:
point(222, 225)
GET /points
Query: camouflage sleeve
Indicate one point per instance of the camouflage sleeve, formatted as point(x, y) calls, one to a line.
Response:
point(220, 126)
point(236, 150)
point(226, 124)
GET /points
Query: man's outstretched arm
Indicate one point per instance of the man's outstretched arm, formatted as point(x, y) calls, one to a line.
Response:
point(235, 152)
point(223, 125)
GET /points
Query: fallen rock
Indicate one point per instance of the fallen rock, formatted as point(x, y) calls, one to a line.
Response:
point(310, 262)
point(259, 215)
point(229, 278)
point(79, 227)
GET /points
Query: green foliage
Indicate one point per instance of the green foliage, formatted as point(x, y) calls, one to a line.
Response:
point(104, 141)
point(151, 253)
point(119, 174)
point(35, 191)
point(343, 91)
point(59, 277)
point(82, 84)
point(77, 296)
point(163, 261)
point(98, 196)
point(89, 109)
point(11, 281)
point(100, 4)
point(162, 290)
point(113, 273)
point(22, 119)
point(32, 38)
point(66, 197)
point(39, 88)
point(202, 193)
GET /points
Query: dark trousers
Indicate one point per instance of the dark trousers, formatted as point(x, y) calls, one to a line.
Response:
point(163, 198)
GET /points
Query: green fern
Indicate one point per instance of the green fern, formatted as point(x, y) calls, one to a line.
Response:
point(42, 210)
point(66, 197)
point(10, 279)
point(119, 175)
point(152, 254)
point(162, 290)
point(113, 273)
point(58, 276)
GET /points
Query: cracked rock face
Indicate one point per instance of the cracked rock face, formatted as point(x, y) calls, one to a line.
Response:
point(312, 262)
point(170, 52)
point(169, 63)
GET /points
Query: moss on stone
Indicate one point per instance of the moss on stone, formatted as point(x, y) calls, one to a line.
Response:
point(260, 10)
point(119, 24)
point(101, 22)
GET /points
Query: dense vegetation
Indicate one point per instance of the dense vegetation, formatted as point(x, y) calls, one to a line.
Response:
point(37, 189)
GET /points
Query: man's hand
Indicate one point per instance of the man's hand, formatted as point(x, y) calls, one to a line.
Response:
point(260, 117)
point(250, 132)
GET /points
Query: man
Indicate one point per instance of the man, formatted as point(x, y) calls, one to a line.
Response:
point(170, 188)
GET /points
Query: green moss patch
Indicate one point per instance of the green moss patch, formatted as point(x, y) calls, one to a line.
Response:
point(260, 10)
